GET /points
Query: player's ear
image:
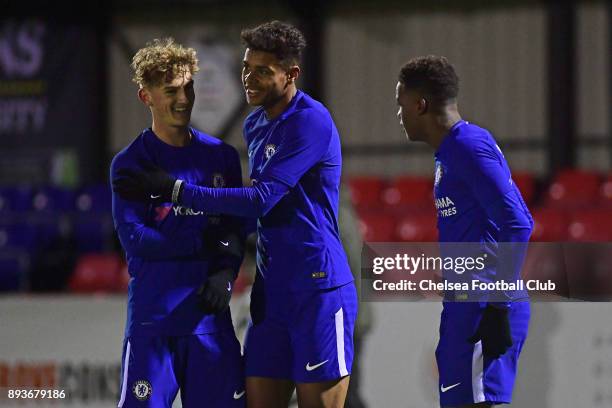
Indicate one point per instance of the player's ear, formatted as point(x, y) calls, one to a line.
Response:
point(144, 96)
point(293, 73)
point(422, 106)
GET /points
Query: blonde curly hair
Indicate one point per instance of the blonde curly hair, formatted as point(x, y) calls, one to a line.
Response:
point(161, 60)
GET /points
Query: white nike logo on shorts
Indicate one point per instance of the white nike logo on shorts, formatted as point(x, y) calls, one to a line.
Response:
point(224, 243)
point(155, 196)
point(444, 389)
point(314, 367)
point(238, 395)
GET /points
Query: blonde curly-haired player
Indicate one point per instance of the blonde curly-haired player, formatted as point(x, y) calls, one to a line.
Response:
point(182, 263)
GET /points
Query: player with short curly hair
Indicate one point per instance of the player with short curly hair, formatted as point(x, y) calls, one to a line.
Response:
point(479, 207)
point(304, 301)
point(283, 40)
point(160, 60)
point(182, 262)
point(434, 77)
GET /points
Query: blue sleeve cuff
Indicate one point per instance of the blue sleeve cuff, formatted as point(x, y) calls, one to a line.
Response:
point(186, 197)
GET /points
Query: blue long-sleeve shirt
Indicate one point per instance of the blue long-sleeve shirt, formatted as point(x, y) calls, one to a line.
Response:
point(164, 243)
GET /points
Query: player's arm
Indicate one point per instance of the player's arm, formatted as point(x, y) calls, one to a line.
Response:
point(142, 241)
point(228, 238)
point(483, 171)
point(226, 242)
point(307, 140)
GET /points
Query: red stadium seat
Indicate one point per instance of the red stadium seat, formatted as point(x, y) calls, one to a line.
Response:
point(377, 227)
point(588, 269)
point(545, 261)
point(96, 273)
point(550, 224)
point(574, 189)
point(418, 227)
point(366, 191)
point(526, 185)
point(123, 279)
point(409, 192)
point(591, 225)
point(605, 192)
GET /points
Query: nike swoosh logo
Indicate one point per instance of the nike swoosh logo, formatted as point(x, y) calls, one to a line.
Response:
point(155, 196)
point(450, 387)
point(314, 367)
point(224, 243)
point(229, 287)
point(238, 395)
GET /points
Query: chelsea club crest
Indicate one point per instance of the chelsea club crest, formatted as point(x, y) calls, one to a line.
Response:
point(142, 390)
point(269, 150)
point(218, 180)
point(438, 174)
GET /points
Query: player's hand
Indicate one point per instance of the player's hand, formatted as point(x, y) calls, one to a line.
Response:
point(214, 295)
point(149, 184)
point(494, 332)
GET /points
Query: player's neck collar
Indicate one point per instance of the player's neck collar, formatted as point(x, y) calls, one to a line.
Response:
point(288, 109)
point(450, 133)
point(457, 124)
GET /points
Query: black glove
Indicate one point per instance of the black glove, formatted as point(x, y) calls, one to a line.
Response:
point(494, 331)
point(214, 295)
point(150, 184)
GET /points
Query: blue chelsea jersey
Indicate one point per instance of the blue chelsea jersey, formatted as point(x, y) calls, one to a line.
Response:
point(167, 261)
point(473, 186)
point(478, 202)
point(298, 244)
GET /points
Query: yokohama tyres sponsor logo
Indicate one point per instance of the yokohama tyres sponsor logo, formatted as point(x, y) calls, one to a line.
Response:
point(445, 206)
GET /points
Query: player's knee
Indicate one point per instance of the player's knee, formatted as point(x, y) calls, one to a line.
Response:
point(329, 394)
point(268, 393)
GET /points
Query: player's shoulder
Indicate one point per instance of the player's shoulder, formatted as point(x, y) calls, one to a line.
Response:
point(307, 111)
point(308, 106)
point(132, 153)
point(211, 142)
point(204, 138)
point(472, 138)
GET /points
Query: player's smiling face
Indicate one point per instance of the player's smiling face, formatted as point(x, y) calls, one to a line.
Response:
point(172, 101)
point(264, 79)
point(410, 112)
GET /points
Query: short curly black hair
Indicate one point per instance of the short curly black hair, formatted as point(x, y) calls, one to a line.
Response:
point(432, 75)
point(281, 39)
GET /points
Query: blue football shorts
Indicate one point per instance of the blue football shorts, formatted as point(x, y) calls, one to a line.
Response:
point(466, 377)
point(305, 337)
point(206, 368)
